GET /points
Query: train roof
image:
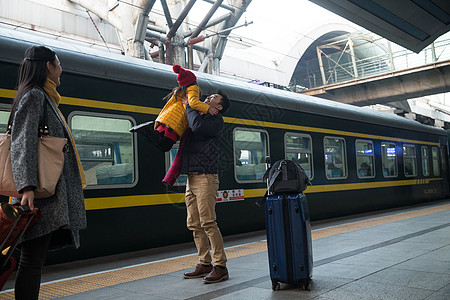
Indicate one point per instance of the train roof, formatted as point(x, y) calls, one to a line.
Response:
point(80, 59)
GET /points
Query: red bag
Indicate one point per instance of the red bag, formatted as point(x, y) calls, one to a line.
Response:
point(14, 221)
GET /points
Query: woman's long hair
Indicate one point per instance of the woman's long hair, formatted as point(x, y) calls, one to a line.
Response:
point(177, 90)
point(32, 71)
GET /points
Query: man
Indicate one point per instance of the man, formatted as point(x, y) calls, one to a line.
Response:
point(200, 162)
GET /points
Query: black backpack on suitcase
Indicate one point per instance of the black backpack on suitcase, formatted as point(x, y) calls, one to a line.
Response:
point(285, 176)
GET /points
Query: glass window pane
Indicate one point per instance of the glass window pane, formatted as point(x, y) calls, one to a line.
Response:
point(299, 150)
point(250, 151)
point(106, 149)
point(4, 116)
point(365, 159)
point(409, 151)
point(365, 166)
point(335, 164)
point(364, 148)
point(389, 160)
point(435, 157)
point(297, 142)
point(409, 160)
point(410, 167)
point(425, 161)
point(182, 178)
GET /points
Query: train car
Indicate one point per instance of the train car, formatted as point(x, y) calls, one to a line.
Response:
point(358, 160)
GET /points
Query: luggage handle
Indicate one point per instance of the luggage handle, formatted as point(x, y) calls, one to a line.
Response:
point(14, 244)
point(21, 208)
point(267, 168)
point(10, 232)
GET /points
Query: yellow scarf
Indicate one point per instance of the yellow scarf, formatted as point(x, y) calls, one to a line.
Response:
point(50, 89)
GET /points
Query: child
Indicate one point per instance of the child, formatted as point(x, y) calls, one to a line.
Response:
point(171, 122)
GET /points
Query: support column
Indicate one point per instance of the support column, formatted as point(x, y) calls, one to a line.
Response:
point(433, 52)
point(190, 52)
point(179, 55)
point(390, 55)
point(216, 66)
point(322, 71)
point(352, 53)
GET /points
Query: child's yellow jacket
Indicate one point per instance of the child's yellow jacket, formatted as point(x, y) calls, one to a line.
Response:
point(173, 113)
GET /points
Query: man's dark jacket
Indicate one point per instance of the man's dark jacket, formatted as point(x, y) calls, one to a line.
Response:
point(201, 148)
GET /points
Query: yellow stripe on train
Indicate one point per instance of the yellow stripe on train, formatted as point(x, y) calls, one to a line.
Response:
point(155, 111)
point(176, 198)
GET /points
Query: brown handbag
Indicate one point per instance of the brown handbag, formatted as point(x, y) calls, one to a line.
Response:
point(50, 162)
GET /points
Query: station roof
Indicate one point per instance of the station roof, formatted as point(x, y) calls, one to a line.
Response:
point(413, 24)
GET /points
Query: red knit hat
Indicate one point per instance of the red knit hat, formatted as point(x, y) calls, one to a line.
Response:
point(185, 77)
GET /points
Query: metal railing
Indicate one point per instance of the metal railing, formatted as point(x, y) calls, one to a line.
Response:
point(342, 66)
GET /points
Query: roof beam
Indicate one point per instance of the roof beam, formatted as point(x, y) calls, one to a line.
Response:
point(205, 20)
point(180, 19)
point(220, 41)
point(147, 6)
point(230, 8)
point(167, 13)
point(212, 23)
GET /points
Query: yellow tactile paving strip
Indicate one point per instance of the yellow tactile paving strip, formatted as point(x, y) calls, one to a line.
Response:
point(326, 232)
point(111, 278)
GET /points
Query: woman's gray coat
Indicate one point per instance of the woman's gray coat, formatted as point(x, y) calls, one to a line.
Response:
point(65, 209)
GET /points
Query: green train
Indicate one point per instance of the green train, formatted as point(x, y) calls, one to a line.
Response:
point(358, 160)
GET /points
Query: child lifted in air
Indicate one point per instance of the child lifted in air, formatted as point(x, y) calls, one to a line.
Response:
point(171, 122)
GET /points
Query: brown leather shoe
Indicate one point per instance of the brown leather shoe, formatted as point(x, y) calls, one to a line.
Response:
point(200, 271)
point(216, 275)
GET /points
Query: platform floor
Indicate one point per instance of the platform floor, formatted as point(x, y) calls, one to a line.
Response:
point(396, 254)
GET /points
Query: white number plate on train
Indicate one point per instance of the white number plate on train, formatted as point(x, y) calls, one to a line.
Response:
point(230, 195)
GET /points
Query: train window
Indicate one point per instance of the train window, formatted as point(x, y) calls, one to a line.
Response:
point(435, 158)
point(409, 160)
point(365, 159)
point(4, 116)
point(170, 156)
point(105, 147)
point(425, 161)
point(250, 151)
point(335, 158)
point(298, 148)
point(389, 159)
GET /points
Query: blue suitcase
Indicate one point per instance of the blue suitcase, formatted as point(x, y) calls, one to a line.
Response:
point(289, 243)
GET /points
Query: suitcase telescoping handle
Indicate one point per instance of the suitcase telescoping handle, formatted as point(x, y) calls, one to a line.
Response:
point(267, 168)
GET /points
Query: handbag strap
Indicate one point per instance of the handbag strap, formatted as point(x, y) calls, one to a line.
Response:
point(58, 115)
point(43, 123)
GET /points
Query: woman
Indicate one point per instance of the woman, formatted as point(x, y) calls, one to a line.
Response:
point(63, 214)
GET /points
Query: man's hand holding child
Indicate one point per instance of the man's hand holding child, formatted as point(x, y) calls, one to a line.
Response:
point(213, 111)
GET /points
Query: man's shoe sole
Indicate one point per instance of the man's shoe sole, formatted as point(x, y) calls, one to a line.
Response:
point(196, 276)
point(215, 281)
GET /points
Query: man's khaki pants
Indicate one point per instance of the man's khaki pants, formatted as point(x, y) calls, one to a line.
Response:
point(201, 191)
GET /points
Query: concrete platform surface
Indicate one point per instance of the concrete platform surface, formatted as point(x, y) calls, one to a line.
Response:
point(396, 254)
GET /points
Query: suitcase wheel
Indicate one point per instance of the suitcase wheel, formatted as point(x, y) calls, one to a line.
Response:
point(306, 285)
point(275, 285)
